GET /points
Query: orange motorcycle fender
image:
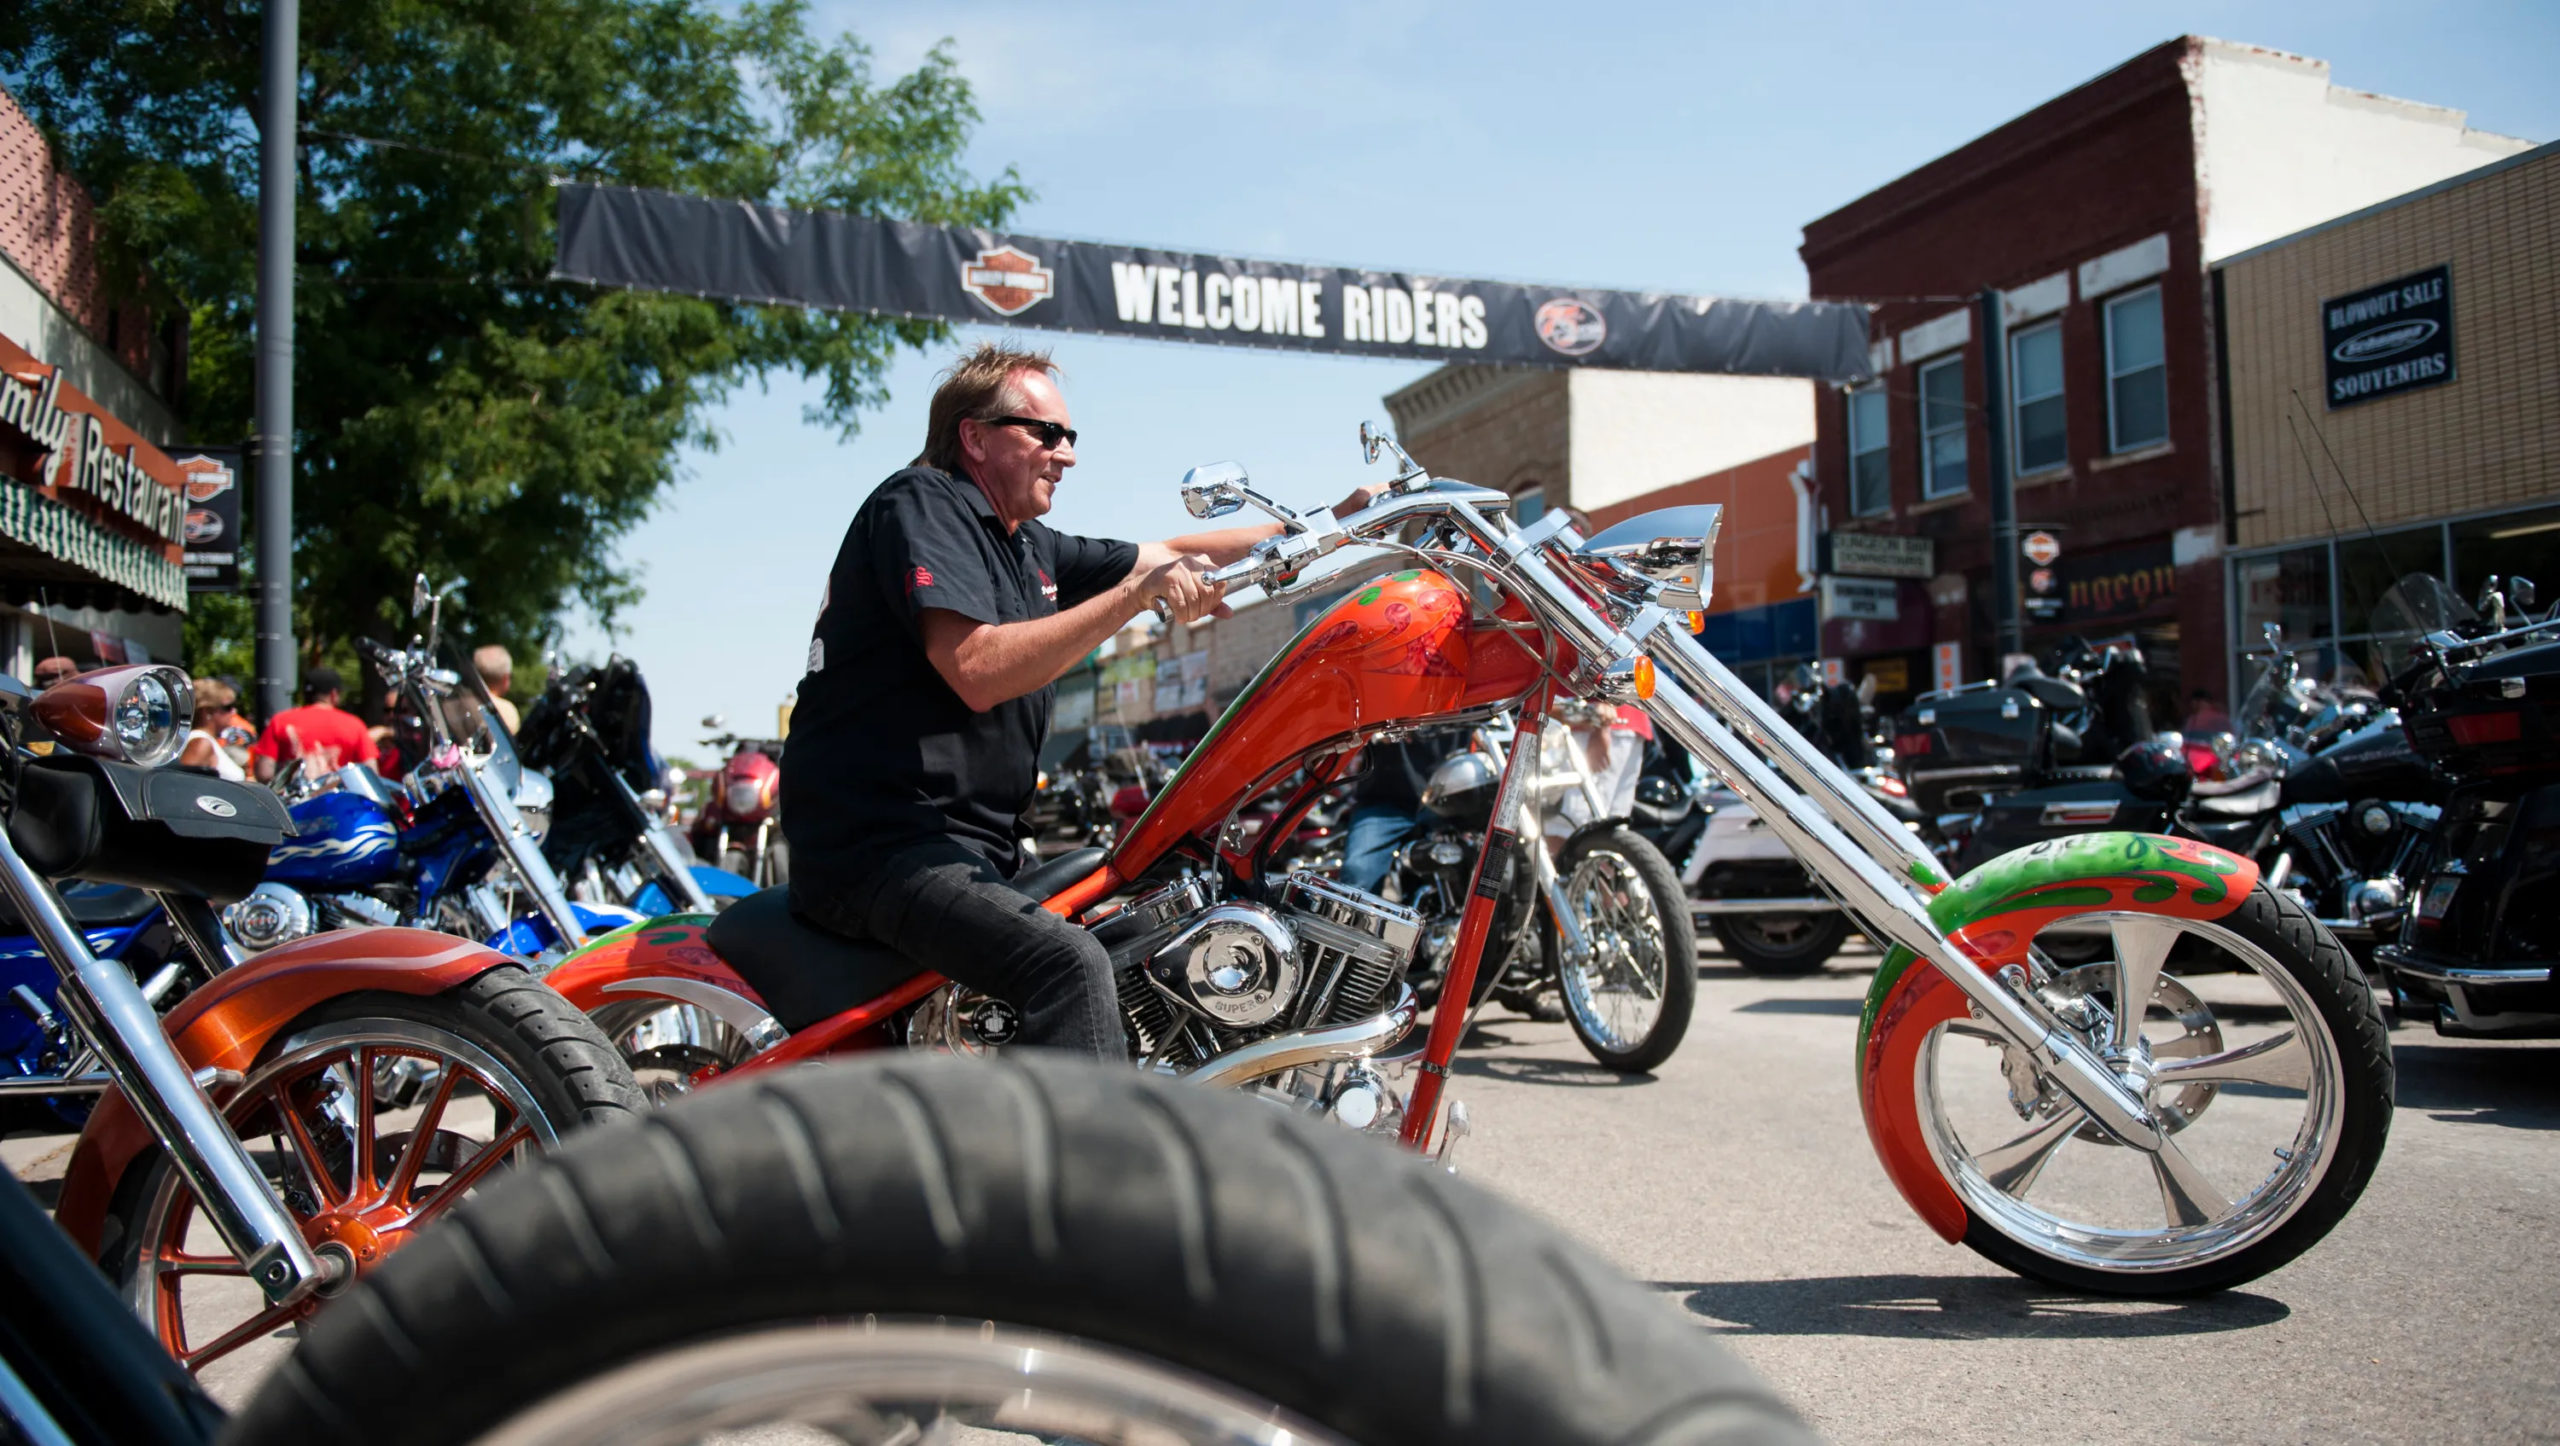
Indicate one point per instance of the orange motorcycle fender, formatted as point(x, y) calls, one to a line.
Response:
point(228, 1022)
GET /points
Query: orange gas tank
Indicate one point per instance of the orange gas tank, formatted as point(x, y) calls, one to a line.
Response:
point(1397, 650)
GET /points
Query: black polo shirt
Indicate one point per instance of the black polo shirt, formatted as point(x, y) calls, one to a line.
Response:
point(882, 753)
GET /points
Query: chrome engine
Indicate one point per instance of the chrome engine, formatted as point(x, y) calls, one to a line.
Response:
point(1198, 978)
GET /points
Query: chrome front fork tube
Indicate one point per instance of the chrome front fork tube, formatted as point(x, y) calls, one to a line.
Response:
point(1889, 904)
point(109, 1010)
point(1802, 764)
point(1851, 867)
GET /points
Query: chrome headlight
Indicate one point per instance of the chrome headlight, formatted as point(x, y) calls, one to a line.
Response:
point(137, 714)
point(1672, 548)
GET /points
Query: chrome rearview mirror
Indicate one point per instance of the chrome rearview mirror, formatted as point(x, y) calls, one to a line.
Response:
point(1672, 549)
point(1214, 490)
point(1373, 442)
point(420, 595)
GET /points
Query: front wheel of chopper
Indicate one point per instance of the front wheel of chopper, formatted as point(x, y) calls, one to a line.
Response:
point(1630, 997)
point(922, 1250)
point(2260, 1048)
point(372, 1116)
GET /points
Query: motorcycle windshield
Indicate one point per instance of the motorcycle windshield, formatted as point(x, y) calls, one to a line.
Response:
point(486, 744)
point(2414, 607)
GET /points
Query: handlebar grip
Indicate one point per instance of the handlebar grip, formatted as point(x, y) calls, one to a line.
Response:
point(1162, 609)
point(1245, 572)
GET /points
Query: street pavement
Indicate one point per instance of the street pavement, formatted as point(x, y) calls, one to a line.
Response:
point(1739, 1182)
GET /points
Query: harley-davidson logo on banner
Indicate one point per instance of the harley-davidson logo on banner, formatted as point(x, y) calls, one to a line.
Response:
point(654, 240)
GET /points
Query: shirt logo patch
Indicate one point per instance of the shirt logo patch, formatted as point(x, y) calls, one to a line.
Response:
point(921, 577)
point(1048, 588)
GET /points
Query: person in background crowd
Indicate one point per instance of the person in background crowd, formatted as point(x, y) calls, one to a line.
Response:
point(204, 743)
point(498, 673)
point(1386, 802)
point(54, 670)
point(239, 731)
point(2205, 715)
point(320, 733)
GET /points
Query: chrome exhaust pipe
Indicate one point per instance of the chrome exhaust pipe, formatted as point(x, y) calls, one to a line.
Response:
point(1357, 1040)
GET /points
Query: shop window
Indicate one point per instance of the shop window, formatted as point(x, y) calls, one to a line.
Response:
point(2369, 565)
point(2508, 545)
point(2288, 588)
point(1529, 503)
point(1870, 476)
point(2035, 389)
point(1942, 471)
point(2137, 372)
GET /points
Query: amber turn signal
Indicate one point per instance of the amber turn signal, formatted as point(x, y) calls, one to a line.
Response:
point(1696, 620)
point(1644, 676)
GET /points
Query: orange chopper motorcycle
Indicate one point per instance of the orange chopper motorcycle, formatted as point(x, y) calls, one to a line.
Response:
point(2188, 1112)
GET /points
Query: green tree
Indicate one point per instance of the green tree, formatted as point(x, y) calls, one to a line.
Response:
point(456, 411)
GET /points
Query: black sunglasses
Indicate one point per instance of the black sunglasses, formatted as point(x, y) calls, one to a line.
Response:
point(1051, 433)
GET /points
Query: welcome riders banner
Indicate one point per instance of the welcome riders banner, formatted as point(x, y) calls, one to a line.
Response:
point(657, 241)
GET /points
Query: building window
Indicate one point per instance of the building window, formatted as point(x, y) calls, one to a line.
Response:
point(1942, 428)
point(1529, 504)
point(2035, 391)
point(2137, 372)
point(1870, 479)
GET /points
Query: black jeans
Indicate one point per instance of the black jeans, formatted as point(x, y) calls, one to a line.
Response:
point(944, 906)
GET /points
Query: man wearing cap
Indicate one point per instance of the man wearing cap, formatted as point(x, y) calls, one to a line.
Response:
point(320, 733)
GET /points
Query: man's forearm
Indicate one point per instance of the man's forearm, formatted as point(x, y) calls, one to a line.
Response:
point(1226, 545)
point(992, 663)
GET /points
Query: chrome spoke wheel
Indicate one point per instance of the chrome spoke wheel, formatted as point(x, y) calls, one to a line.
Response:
point(1616, 990)
point(890, 1383)
point(368, 1129)
point(2235, 1060)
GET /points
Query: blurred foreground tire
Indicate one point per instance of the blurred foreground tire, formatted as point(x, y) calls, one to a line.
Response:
point(870, 1246)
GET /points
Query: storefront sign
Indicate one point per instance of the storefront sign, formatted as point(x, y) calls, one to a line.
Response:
point(2041, 548)
point(1891, 675)
point(57, 445)
point(2388, 339)
point(213, 518)
point(619, 236)
point(1858, 597)
point(2127, 582)
point(1878, 554)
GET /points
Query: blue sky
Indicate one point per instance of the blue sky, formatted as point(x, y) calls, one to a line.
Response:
point(1645, 147)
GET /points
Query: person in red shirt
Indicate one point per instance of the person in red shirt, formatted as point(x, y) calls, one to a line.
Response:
point(322, 734)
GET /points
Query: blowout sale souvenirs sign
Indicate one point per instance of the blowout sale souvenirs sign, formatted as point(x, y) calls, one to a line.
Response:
point(83, 490)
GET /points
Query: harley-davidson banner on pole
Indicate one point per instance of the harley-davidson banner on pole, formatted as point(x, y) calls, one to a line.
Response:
point(658, 241)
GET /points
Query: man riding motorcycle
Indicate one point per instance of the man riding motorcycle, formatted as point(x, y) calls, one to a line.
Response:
point(949, 614)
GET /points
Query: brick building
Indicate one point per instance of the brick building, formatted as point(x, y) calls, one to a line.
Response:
point(2098, 216)
point(2387, 382)
point(92, 509)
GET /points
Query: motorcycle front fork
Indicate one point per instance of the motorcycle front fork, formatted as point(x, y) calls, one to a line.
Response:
point(111, 1013)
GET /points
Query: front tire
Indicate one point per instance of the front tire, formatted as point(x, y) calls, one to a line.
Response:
point(2270, 1058)
point(1630, 1002)
point(919, 1243)
point(374, 1114)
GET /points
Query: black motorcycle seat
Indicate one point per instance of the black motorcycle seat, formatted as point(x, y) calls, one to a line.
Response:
point(95, 906)
point(1050, 877)
point(804, 973)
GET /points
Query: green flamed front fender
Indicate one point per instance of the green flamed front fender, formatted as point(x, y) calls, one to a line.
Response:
point(1993, 911)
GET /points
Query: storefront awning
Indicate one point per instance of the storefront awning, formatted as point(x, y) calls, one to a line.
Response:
point(85, 501)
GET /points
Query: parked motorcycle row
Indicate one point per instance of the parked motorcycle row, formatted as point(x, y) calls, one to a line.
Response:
point(313, 1073)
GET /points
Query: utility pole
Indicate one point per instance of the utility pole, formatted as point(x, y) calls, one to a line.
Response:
point(2008, 634)
point(280, 120)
